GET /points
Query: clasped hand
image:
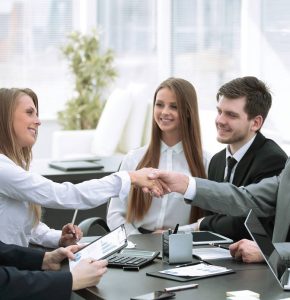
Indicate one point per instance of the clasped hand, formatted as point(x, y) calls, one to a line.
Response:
point(158, 182)
point(145, 179)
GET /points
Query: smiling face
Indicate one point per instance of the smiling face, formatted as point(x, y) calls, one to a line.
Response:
point(166, 116)
point(232, 123)
point(25, 121)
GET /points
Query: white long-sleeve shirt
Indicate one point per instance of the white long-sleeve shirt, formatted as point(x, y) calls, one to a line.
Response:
point(19, 187)
point(164, 212)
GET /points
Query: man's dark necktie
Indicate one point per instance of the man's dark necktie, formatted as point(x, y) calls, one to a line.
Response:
point(231, 164)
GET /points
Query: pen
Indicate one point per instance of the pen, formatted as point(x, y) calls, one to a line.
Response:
point(74, 217)
point(220, 246)
point(189, 264)
point(181, 287)
point(176, 229)
point(73, 221)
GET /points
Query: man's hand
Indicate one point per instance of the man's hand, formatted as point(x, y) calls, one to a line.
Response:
point(154, 186)
point(173, 181)
point(70, 235)
point(247, 251)
point(88, 273)
point(52, 260)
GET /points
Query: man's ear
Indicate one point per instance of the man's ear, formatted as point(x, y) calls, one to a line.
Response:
point(257, 123)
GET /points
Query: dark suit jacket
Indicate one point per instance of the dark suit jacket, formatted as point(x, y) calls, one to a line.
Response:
point(263, 159)
point(28, 284)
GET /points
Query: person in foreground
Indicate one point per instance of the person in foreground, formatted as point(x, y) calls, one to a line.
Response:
point(22, 192)
point(29, 274)
point(242, 107)
point(269, 197)
point(175, 145)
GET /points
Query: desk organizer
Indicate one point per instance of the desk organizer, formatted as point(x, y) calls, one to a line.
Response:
point(176, 248)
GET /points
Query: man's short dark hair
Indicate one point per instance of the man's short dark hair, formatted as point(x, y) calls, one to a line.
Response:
point(258, 97)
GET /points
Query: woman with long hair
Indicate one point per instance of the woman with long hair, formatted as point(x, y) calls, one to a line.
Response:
point(175, 145)
point(22, 193)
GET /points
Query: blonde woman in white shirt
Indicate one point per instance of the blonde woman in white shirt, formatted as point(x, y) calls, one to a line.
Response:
point(175, 145)
point(22, 192)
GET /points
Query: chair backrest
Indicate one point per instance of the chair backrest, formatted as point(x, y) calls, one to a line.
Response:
point(111, 123)
point(133, 133)
point(90, 225)
point(121, 125)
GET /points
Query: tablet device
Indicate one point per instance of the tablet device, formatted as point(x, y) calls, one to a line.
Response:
point(208, 237)
point(75, 165)
point(102, 247)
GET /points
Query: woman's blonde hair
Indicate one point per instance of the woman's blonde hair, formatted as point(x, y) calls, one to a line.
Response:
point(8, 145)
point(139, 203)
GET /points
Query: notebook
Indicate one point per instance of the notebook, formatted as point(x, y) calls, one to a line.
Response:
point(276, 264)
point(76, 165)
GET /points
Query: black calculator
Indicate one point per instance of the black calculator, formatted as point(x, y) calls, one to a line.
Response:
point(131, 259)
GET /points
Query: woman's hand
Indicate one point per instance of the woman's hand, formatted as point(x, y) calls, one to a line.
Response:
point(70, 235)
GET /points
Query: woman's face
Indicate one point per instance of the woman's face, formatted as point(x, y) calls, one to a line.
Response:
point(25, 121)
point(165, 111)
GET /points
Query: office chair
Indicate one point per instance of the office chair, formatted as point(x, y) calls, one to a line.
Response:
point(87, 224)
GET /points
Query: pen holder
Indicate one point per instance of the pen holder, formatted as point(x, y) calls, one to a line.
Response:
point(176, 248)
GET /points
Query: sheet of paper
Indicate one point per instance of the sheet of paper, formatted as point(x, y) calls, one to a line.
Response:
point(211, 253)
point(201, 269)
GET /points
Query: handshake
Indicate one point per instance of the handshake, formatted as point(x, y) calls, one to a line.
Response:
point(158, 182)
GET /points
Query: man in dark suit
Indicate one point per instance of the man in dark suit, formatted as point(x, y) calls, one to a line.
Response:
point(269, 197)
point(19, 280)
point(242, 106)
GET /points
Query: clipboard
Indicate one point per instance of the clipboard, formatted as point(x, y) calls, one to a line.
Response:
point(189, 278)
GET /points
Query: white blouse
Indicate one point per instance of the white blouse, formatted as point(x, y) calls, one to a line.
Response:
point(164, 212)
point(19, 187)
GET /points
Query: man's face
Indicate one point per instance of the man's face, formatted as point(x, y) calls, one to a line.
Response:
point(233, 126)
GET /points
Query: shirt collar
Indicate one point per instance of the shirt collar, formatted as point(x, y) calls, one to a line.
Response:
point(177, 148)
point(242, 151)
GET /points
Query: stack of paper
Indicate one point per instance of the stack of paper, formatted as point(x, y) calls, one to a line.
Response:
point(198, 270)
point(242, 295)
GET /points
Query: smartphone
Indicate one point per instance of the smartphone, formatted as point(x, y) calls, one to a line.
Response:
point(155, 296)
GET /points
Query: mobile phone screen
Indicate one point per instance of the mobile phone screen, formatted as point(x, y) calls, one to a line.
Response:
point(155, 296)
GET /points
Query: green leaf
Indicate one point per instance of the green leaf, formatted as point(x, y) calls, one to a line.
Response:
point(93, 72)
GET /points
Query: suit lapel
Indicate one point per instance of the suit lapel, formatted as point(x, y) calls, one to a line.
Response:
point(246, 162)
point(217, 169)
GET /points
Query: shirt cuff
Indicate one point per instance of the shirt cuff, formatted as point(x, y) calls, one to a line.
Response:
point(188, 228)
point(198, 223)
point(191, 189)
point(130, 229)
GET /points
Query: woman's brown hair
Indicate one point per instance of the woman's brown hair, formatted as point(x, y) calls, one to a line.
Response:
point(8, 144)
point(139, 203)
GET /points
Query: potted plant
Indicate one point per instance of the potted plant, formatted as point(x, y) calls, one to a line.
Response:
point(93, 71)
